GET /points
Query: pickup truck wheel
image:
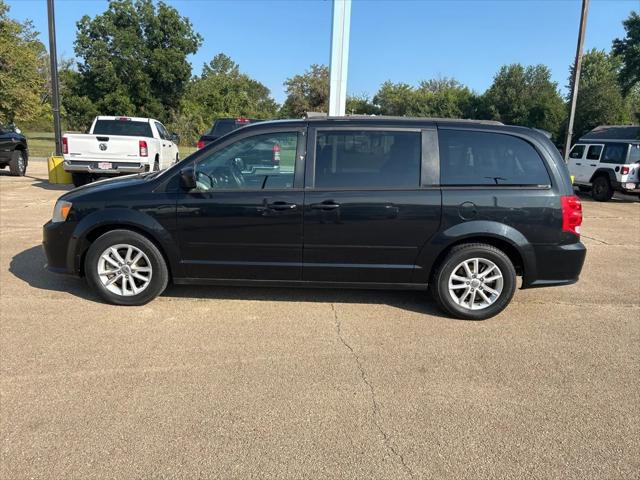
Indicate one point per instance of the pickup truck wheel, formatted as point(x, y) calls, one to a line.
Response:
point(474, 282)
point(126, 268)
point(18, 163)
point(601, 190)
point(80, 179)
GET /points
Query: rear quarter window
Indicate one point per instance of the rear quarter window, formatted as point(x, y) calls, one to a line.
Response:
point(483, 158)
point(615, 153)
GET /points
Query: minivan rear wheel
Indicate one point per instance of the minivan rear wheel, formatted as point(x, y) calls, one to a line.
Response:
point(126, 268)
point(475, 281)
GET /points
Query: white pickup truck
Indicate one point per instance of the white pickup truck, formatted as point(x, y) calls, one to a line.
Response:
point(117, 146)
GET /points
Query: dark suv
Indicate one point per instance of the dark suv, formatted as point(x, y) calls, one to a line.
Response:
point(462, 207)
point(14, 152)
point(221, 127)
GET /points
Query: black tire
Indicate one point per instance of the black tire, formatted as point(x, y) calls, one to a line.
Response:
point(601, 189)
point(80, 179)
point(177, 157)
point(18, 163)
point(460, 253)
point(159, 272)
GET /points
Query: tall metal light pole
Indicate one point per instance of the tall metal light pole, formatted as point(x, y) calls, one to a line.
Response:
point(339, 57)
point(576, 76)
point(55, 91)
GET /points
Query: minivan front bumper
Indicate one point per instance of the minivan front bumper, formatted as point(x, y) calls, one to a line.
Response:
point(556, 265)
point(55, 242)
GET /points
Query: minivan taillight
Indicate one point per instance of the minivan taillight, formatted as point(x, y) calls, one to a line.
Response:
point(571, 214)
point(65, 145)
point(142, 145)
point(200, 144)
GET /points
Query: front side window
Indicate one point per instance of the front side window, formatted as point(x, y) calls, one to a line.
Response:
point(481, 158)
point(615, 153)
point(576, 151)
point(367, 159)
point(254, 163)
point(634, 153)
point(594, 152)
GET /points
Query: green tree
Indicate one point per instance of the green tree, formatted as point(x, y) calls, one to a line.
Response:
point(600, 100)
point(23, 66)
point(308, 92)
point(444, 98)
point(398, 99)
point(221, 91)
point(525, 96)
point(360, 105)
point(628, 49)
point(78, 110)
point(133, 59)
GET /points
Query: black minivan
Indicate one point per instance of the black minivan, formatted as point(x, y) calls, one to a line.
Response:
point(462, 207)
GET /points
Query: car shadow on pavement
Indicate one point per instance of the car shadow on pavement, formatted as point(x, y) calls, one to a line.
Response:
point(617, 198)
point(415, 301)
point(29, 267)
point(44, 183)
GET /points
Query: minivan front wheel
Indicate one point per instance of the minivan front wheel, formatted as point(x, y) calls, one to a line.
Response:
point(126, 268)
point(475, 281)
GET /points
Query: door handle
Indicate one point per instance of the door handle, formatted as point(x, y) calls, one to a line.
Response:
point(578, 163)
point(593, 164)
point(281, 206)
point(326, 205)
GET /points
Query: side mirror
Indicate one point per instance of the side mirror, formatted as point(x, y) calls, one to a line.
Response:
point(188, 178)
point(175, 138)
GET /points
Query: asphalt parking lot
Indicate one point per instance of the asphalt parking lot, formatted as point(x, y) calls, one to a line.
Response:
point(212, 382)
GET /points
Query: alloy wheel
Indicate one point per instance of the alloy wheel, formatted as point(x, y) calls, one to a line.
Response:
point(124, 270)
point(476, 283)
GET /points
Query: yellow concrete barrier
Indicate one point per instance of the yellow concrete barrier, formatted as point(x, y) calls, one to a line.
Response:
point(56, 172)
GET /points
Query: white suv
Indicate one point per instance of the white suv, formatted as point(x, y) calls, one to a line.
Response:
point(605, 165)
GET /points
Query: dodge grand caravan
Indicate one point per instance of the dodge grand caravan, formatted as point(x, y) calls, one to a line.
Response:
point(460, 207)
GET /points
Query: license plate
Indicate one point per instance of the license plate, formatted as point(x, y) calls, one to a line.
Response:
point(105, 165)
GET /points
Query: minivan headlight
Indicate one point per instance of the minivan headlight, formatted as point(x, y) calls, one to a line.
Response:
point(61, 211)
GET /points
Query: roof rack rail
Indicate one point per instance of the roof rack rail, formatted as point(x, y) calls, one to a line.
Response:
point(322, 115)
point(315, 114)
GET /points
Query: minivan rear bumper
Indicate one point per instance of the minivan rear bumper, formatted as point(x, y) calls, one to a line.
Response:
point(556, 265)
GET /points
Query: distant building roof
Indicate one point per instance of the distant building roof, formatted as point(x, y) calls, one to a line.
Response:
point(621, 133)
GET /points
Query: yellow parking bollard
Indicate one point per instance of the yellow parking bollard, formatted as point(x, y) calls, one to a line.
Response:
point(57, 174)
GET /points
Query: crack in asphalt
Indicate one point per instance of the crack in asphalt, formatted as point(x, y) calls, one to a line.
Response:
point(386, 439)
point(595, 239)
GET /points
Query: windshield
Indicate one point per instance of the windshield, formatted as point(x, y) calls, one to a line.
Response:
point(127, 128)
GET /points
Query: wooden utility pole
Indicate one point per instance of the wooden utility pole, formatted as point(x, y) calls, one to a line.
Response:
point(55, 90)
point(577, 67)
